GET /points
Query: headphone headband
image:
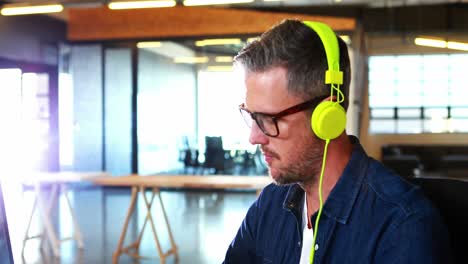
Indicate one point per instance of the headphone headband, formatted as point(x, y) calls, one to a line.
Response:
point(328, 120)
point(330, 43)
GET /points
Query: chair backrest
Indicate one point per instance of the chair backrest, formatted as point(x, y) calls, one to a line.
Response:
point(214, 143)
point(214, 153)
point(403, 165)
point(450, 196)
point(6, 255)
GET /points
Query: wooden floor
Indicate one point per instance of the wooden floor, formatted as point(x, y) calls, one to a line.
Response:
point(203, 224)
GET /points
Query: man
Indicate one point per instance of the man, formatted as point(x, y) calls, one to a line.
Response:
point(370, 215)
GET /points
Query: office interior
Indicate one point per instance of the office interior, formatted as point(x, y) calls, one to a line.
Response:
point(153, 92)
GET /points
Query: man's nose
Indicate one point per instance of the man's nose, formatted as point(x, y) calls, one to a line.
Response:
point(257, 137)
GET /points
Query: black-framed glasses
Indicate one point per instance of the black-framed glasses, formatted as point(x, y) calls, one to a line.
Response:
point(268, 123)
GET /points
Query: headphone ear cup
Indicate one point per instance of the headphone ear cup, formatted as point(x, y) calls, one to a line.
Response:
point(328, 120)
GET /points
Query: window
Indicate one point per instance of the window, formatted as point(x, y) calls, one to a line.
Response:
point(418, 94)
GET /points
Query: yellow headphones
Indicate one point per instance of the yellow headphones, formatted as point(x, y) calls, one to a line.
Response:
point(328, 120)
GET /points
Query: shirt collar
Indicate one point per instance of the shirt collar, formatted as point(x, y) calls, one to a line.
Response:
point(294, 201)
point(341, 200)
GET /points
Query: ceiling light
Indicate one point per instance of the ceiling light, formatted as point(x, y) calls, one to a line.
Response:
point(223, 59)
point(436, 43)
point(218, 68)
point(13, 10)
point(252, 39)
point(213, 42)
point(191, 60)
point(214, 2)
point(457, 45)
point(142, 4)
point(148, 44)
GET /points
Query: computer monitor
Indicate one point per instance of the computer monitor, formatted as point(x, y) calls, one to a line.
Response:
point(6, 255)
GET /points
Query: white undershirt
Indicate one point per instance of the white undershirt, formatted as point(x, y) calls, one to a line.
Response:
point(307, 236)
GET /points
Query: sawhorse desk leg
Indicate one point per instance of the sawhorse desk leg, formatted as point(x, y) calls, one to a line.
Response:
point(133, 248)
point(45, 210)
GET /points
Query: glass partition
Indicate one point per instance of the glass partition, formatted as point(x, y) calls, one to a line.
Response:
point(166, 107)
point(188, 118)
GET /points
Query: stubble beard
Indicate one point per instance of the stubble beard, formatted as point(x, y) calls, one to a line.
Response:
point(304, 167)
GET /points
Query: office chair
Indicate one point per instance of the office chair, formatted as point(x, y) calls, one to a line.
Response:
point(214, 154)
point(450, 197)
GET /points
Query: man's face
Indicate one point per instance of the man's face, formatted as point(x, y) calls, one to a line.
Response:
point(295, 155)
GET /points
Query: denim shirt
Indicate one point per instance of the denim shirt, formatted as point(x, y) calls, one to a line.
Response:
point(370, 216)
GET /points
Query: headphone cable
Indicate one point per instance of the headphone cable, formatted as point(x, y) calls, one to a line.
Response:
point(324, 160)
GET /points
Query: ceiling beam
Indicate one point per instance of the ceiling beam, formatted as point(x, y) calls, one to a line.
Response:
point(97, 24)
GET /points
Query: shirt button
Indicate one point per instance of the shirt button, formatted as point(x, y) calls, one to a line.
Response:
point(316, 247)
point(299, 244)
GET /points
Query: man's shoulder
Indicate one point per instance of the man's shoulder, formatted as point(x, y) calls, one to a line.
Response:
point(396, 192)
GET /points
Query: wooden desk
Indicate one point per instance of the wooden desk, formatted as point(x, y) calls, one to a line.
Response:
point(140, 184)
point(58, 182)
